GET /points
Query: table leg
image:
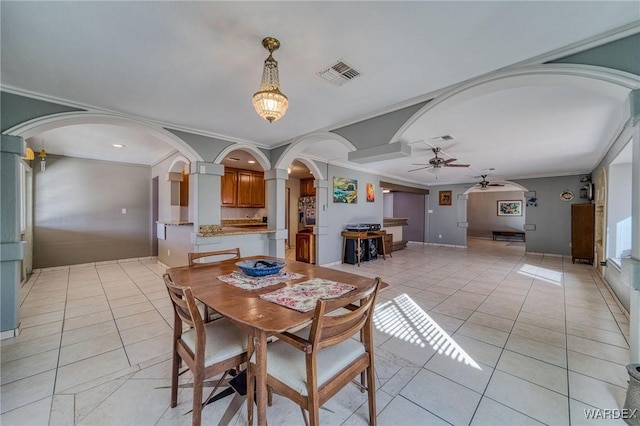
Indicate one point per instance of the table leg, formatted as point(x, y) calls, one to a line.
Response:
point(358, 251)
point(260, 374)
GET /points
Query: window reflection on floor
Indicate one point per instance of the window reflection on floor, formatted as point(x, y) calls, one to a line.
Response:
point(402, 318)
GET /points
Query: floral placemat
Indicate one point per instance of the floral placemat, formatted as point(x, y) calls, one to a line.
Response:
point(303, 296)
point(247, 282)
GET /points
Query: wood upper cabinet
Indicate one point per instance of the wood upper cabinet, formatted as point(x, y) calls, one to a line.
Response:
point(242, 188)
point(229, 189)
point(257, 190)
point(582, 232)
point(306, 188)
point(245, 178)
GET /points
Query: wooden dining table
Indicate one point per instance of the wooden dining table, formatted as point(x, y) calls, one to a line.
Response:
point(258, 317)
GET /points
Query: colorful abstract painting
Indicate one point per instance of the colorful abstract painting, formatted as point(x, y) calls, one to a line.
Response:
point(345, 190)
point(371, 193)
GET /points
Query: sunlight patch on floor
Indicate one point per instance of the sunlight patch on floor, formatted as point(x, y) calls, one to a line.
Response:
point(404, 319)
point(543, 274)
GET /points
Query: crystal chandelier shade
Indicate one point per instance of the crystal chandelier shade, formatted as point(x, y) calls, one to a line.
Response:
point(269, 102)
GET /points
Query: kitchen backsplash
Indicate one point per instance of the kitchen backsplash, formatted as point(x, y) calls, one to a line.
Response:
point(238, 213)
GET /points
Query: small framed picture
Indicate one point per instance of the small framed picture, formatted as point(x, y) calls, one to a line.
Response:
point(444, 198)
point(510, 208)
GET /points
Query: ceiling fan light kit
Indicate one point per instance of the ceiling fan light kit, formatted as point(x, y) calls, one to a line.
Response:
point(269, 102)
point(484, 184)
point(438, 162)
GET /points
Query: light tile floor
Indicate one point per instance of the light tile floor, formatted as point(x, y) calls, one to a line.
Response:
point(484, 336)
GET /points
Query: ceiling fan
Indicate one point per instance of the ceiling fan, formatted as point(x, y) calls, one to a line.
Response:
point(484, 183)
point(438, 162)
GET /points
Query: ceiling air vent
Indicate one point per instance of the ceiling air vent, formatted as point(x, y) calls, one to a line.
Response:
point(339, 73)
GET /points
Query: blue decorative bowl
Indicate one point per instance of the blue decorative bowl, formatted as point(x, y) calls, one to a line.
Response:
point(260, 267)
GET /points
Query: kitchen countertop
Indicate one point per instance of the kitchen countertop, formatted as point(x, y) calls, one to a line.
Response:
point(235, 229)
point(175, 222)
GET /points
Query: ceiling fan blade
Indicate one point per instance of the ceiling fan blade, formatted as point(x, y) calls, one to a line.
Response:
point(419, 168)
point(457, 165)
point(496, 184)
point(420, 164)
point(450, 160)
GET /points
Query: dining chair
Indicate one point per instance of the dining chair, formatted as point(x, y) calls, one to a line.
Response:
point(311, 365)
point(207, 257)
point(207, 349)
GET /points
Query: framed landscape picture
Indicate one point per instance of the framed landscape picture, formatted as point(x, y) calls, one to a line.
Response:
point(510, 208)
point(345, 190)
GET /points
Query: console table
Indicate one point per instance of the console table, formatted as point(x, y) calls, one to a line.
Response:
point(363, 235)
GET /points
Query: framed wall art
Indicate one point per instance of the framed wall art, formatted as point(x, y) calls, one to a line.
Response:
point(444, 198)
point(345, 190)
point(510, 208)
point(371, 193)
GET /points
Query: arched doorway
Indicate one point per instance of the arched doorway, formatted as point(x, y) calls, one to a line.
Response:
point(497, 213)
point(95, 138)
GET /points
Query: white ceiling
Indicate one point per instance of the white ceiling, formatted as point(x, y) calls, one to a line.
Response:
point(195, 65)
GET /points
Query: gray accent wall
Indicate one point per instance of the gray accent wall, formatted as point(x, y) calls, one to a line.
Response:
point(551, 216)
point(443, 224)
point(208, 148)
point(78, 211)
point(336, 215)
point(18, 109)
point(378, 130)
point(482, 213)
point(620, 54)
point(411, 206)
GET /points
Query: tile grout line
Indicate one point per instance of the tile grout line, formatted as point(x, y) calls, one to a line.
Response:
point(502, 351)
point(64, 318)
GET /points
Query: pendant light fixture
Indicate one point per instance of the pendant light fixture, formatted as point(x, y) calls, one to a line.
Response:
point(269, 102)
point(43, 162)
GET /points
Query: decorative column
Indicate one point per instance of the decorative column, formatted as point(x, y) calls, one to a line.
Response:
point(12, 249)
point(276, 193)
point(205, 186)
point(631, 265)
point(323, 191)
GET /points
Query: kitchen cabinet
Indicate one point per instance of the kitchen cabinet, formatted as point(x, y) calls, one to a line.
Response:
point(245, 179)
point(257, 190)
point(582, 232)
point(306, 188)
point(242, 188)
point(229, 189)
point(306, 247)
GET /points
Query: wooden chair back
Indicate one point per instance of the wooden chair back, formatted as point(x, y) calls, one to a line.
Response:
point(218, 255)
point(191, 350)
point(335, 321)
point(184, 304)
point(330, 329)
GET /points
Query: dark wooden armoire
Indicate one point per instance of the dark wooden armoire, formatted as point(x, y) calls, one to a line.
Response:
point(582, 232)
